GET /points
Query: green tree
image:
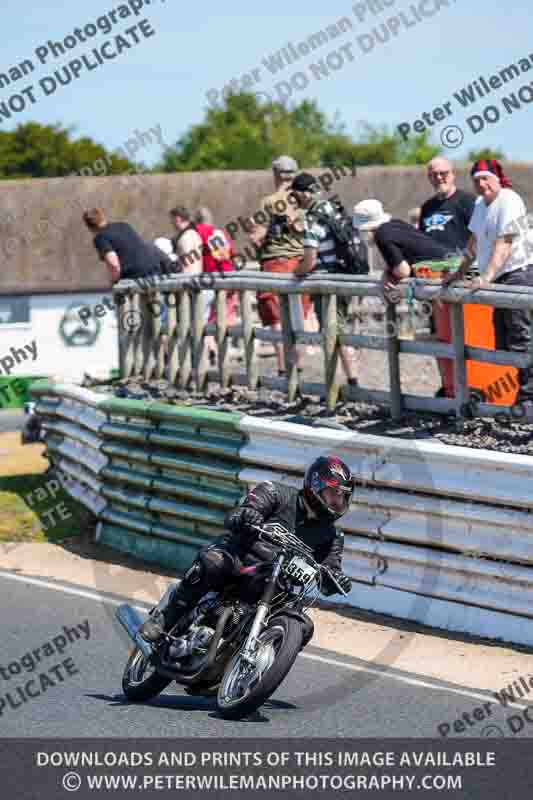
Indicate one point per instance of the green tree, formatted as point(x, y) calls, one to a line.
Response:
point(246, 134)
point(486, 153)
point(49, 151)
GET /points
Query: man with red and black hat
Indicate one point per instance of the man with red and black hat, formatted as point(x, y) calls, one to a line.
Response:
point(499, 227)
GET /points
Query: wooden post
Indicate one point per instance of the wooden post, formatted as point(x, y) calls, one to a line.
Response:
point(289, 347)
point(462, 392)
point(126, 336)
point(184, 338)
point(137, 324)
point(160, 338)
point(152, 329)
point(252, 370)
point(199, 356)
point(393, 352)
point(222, 340)
point(330, 329)
point(172, 337)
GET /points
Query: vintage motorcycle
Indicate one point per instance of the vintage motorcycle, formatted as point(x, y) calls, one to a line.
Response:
point(240, 642)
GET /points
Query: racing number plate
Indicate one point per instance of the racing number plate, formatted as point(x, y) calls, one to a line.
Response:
point(299, 570)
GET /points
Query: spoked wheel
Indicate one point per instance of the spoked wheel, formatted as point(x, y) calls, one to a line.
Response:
point(140, 680)
point(243, 687)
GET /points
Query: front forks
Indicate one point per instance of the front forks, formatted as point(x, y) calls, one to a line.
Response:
point(249, 654)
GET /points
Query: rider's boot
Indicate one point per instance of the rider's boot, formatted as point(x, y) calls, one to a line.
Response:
point(177, 601)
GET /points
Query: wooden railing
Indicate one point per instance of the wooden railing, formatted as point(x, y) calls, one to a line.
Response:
point(179, 353)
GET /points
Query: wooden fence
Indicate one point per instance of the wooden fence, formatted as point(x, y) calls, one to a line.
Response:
point(178, 353)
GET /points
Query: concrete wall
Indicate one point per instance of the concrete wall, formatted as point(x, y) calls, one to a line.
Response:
point(44, 246)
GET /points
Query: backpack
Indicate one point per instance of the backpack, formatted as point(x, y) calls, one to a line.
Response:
point(350, 251)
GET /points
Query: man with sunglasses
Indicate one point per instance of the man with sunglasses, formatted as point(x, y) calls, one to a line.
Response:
point(446, 216)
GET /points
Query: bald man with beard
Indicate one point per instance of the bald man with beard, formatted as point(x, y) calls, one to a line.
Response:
point(446, 216)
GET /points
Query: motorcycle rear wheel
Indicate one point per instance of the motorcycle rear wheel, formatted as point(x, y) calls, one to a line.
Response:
point(140, 681)
point(242, 689)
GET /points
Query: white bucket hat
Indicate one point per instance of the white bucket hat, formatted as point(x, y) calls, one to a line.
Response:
point(165, 244)
point(369, 215)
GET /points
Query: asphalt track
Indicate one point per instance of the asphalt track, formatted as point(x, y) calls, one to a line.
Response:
point(325, 694)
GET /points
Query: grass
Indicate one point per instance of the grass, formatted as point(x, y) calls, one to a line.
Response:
point(23, 518)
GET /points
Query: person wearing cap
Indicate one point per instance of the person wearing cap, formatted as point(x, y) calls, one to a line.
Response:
point(500, 242)
point(399, 243)
point(320, 255)
point(279, 243)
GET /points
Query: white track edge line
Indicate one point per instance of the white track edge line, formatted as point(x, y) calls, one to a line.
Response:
point(332, 662)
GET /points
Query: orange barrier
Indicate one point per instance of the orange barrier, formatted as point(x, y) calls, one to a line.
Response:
point(498, 384)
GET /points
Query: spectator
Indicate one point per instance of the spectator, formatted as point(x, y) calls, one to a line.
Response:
point(399, 243)
point(445, 217)
point(500, 242)
point(165, 244)
point(217, 253)
point(187, 243)
point(320, 254)
point(280, 247)
point(126, 255)
point(204, 216)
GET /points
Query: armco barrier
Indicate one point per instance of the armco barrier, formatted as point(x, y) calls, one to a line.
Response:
point(436, 534)
point(159, 478)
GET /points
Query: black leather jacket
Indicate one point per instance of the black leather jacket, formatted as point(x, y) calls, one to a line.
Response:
point(283, 504)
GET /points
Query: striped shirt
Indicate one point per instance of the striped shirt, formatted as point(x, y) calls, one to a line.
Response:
point(318, 235)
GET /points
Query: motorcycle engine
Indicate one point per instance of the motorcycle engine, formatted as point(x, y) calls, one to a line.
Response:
point(193, 646)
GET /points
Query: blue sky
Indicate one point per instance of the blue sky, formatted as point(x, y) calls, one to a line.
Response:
point(163, 80)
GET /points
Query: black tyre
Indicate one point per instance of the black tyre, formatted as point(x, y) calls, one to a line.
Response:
point(243, 690)
point(140, 680)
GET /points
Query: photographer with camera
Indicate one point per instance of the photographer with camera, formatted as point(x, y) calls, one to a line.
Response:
point(280, 247)
point(321, 254)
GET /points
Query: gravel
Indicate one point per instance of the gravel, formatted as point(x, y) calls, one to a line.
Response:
point(502, 435)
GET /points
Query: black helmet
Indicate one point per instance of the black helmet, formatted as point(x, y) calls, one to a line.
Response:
point(323, 472)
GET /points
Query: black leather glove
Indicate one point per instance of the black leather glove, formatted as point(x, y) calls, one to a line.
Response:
point(329, 588)
point(243, 520)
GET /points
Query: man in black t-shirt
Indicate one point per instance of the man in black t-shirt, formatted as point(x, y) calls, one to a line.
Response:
point(126, 255)
point(446, 216)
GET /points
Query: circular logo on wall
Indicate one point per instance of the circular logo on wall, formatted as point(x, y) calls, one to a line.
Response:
point(78, 333)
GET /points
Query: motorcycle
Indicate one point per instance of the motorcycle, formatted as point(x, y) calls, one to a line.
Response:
point(240, 642)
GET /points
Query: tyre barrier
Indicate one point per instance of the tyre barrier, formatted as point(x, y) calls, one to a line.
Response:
point(436, 534)
point(159, 478)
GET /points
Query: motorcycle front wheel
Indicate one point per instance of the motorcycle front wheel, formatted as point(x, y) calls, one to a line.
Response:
point(243, 688)
point(140, 680)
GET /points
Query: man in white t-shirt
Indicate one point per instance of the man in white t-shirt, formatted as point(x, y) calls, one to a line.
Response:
point(499, 238)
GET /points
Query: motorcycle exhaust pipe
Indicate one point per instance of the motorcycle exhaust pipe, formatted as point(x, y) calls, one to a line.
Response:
point(131, 622)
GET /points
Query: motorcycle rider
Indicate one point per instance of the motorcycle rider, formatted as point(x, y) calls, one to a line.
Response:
point(309, 512)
